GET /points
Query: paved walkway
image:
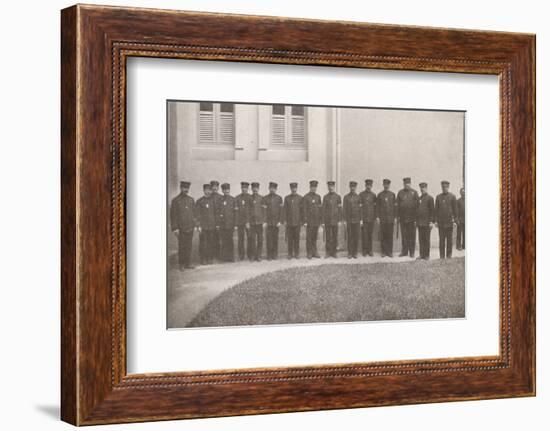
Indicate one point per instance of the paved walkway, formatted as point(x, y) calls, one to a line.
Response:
point(189, 291)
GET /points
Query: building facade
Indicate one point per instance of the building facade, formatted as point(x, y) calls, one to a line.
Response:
point(283, 143)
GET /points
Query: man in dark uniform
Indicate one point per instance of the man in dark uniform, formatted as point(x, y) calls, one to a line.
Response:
point(332, 216)
point(424, 221)
point(273, 215)
point(386, 211)
point(407, 207)
point(227, 210)
point(182, 222)
point(257, 221)
point(312, 211)
point(368, 215)
point(292, 215)
point(445, 218)
point(352, 218)
point(461, 222)
point(206, 216)
point(242, 203)
point(216, 242)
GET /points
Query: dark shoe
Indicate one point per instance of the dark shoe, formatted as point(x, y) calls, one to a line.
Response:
point(411, 255)
point(371, 254)
point(189, 267)
point(390, 255)
point(316, 256)
point(403, 254)
point(382, 255)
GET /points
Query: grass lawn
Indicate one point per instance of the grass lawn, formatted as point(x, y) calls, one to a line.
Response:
point(342, 293)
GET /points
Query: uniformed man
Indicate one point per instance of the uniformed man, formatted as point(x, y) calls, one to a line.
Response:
point(461, 221)
point(227, 211)
point(216, 242)
point(292, 216)
point(352, 218)
point(242, 203)
point(257, 222)
point(273, 216)
point(407, 207)
point(313, 218)
point(368, 216)
point(445, 218)
point(424, 221)
point(386, 211)
point(206, 217)
point(332, 216)
point(182, 222)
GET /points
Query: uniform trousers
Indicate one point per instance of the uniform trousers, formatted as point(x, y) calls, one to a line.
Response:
point(408, 238)
point(424, 233)
point(243, 242)
point(311, 240)
point(185, 241)
point(386, 238)
point(331, 239)
point(206, 245)
point(445, 242)
point(227, 246)
point(293, 240)
point(256, 241)
point(353, 238)
point(272, 241)
point(216, 244)
point(461, 235)
point(366, 240)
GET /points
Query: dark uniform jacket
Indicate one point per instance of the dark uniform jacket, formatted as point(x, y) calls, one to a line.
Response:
point(445, 209)
point(242, 207)
point(227, 210)
point(368, 206)
point(206, 213)
point(407, 205)
point(386, 206)
point(182, 213)
point(292, 213)
point(273, 209)
point(461, 206)
point(332, 208)
point(352, 208)
point(426, 210)
point(312, 209)
point(257, 209)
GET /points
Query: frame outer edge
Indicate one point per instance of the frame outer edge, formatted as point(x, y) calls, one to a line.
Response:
point(69, 211)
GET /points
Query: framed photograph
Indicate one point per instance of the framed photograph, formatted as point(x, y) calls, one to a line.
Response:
point(264, 214)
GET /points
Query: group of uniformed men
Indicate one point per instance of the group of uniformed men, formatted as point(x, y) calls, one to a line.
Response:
point(216, 216)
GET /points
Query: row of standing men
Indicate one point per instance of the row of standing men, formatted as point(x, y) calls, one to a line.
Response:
point(216, 217)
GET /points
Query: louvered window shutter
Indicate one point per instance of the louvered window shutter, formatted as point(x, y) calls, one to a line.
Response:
point(298, 130)
point(206, 127)
point(226, 128)
point(278, 129)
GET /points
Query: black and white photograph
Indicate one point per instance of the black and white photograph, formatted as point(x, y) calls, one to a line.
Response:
point(298, 214)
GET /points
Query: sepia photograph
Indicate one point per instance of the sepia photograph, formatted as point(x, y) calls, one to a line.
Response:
point(300, 214)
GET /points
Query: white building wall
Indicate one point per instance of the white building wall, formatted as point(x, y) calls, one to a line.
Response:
point(424, 145)
point(343, 144)
point(252, 158)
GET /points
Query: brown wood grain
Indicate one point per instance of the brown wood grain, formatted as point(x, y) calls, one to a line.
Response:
point(96, 41)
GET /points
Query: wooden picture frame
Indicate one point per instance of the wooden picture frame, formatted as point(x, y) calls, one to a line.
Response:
point(95, 43)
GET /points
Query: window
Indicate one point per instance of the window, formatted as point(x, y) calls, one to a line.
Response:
point(288, 126)
point(216, 123)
